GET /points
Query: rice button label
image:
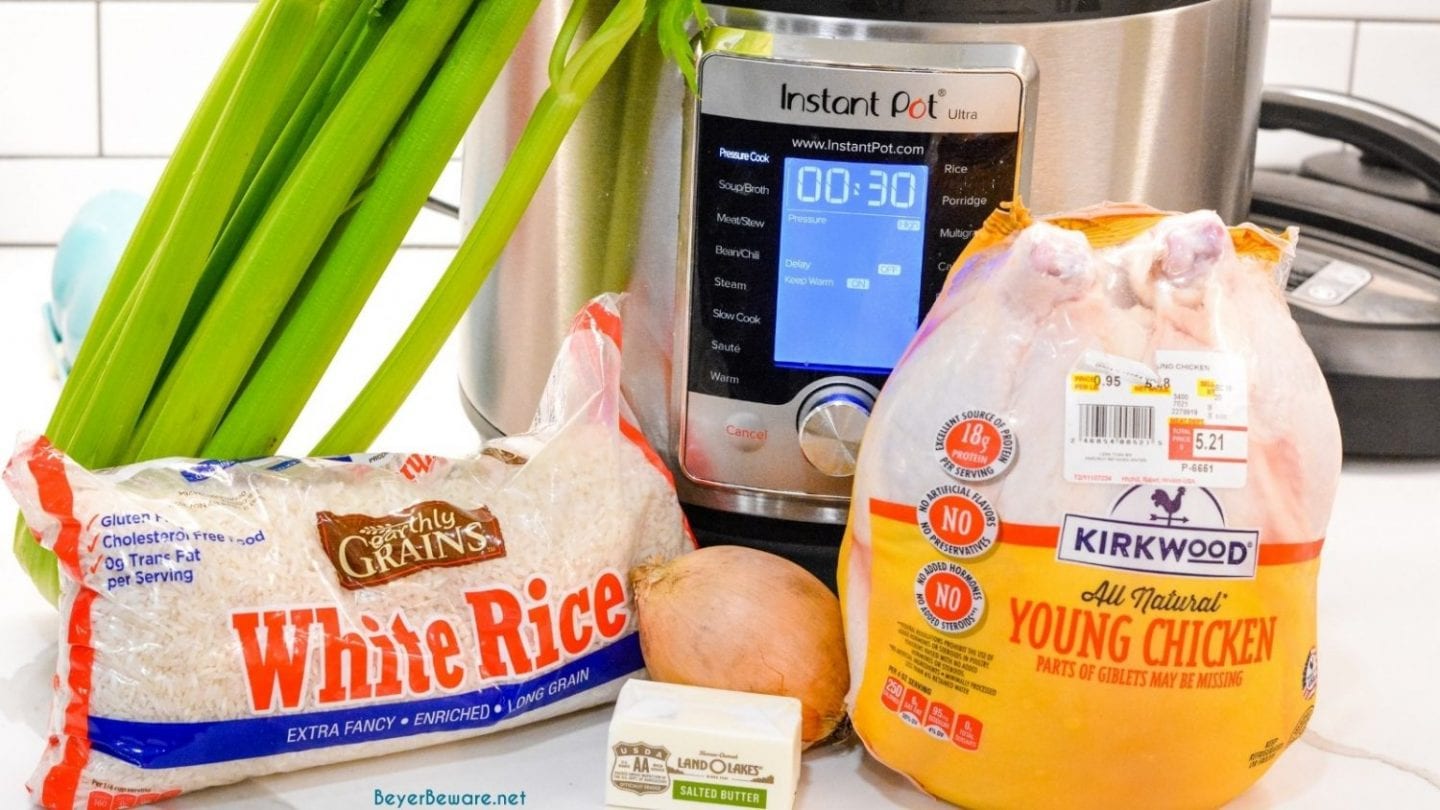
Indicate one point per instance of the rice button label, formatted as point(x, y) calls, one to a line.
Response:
point(975, 445)
point(958, 521)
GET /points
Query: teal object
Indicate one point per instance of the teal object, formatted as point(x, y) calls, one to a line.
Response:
point(84, 262)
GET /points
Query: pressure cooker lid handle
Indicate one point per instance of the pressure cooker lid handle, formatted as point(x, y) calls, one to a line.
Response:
point(1396, 137)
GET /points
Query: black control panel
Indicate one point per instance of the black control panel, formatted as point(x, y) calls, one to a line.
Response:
point(834, 188)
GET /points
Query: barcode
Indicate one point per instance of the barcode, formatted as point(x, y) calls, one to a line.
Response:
point(1117, 422)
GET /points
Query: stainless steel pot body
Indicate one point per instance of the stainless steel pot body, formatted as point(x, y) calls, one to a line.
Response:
point(1158, 107)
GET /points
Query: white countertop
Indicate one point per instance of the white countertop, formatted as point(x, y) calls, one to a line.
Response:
point(1372, 740)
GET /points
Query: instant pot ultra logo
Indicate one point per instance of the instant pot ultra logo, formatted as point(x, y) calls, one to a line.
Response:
point(1162, 530)
point(900, 104)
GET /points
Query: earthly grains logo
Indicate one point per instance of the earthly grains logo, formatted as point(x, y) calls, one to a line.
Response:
point(640, 768)
point(1162, 530)
point(368, 550)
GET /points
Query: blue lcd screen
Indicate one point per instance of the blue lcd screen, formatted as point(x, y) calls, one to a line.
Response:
point(852, 237)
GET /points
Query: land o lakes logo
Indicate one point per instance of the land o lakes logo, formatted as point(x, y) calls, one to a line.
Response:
point(640, 768)
point(1162, 530)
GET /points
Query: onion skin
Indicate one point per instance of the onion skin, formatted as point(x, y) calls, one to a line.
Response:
point(730, 617)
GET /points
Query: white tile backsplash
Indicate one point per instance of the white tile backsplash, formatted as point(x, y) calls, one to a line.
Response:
point(1399, 64)
point(119, 79)
point(1358, 9)
point(40, 196)
point(1312, 53)
point(156, 60)
point(1315, 53)
point(48, 81)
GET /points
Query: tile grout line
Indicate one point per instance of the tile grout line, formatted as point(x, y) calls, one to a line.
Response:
point(1354, 56)
point(1330, 18)
point(99, 89)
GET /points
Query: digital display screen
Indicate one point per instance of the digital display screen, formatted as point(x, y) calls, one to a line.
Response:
point(852, 238)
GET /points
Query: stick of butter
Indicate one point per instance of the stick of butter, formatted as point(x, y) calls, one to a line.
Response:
point(687, 746)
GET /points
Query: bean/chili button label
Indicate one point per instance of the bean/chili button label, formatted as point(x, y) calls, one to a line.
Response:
point(975, 445)
point(958, 521)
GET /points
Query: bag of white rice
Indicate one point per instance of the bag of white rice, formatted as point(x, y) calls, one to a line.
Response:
point(223, 620)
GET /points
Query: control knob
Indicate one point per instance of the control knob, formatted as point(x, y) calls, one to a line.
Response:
point(832, 422)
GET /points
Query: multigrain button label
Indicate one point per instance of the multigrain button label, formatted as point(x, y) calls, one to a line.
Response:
point(369, 550)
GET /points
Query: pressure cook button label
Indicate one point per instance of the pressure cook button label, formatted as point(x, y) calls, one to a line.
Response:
point(744, 155)
point(975, 445)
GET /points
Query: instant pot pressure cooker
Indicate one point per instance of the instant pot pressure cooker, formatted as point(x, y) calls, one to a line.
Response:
point(782, 231)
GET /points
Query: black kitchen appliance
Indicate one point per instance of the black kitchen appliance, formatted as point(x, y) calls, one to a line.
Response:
point(1365, 288)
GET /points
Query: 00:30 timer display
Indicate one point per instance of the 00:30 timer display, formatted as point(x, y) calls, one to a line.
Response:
point(852, 237)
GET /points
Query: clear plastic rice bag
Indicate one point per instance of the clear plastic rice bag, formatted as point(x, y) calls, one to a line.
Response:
point(222, 620)
point(1081, 559)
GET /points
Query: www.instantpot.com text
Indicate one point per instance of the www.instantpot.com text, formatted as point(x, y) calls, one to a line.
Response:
point(868, 147)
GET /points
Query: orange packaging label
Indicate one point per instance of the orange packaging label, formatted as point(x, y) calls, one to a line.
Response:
point(1126, 657)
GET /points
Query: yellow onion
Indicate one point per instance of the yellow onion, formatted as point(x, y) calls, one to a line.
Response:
point(730, 617)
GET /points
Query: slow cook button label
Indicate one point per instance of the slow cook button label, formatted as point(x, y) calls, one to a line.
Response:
point(746, 432)
point(735, 317)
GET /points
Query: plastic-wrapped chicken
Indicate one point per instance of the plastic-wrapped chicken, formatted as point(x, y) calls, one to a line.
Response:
point(1086, 525)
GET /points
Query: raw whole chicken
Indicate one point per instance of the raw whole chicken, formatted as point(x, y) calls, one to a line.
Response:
point(1080, 565)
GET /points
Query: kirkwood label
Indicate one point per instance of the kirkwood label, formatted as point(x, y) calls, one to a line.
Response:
point(369, 550)
point(1162, 530)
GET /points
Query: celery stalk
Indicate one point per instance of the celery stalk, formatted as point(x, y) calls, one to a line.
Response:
point(193, 398)
point(643, 68)
point(115, 368)
point(143, 340)
point(554, 113)
point(351, 50)
point(333, 23)
point(334, 291)
point(154, 224)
